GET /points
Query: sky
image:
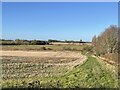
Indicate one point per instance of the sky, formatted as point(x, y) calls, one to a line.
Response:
point(57, 20)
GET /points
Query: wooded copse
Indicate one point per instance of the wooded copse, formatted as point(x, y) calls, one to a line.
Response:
point(106, 44)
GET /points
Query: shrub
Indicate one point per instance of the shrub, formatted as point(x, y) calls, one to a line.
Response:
point(97, 53)
point(43, 48)
point(49, 48)
point(88, 48)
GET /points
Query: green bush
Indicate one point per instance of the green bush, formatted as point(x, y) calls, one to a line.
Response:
point(43, 48)
point(87, 49)
point(49, 49)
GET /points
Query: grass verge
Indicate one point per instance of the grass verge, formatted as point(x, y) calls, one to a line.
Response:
point(90, 75)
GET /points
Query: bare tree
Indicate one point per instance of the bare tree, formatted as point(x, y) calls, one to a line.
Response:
point(107, 41)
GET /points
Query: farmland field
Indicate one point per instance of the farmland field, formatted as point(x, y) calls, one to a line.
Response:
point(59, 45)
point(42, 47)
point(55, 68)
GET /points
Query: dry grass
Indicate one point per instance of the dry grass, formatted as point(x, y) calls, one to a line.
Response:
point(42, 47)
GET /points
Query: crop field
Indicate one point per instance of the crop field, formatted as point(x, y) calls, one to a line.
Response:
point(54, 68)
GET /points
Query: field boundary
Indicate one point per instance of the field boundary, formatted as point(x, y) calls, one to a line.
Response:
point(109, 66)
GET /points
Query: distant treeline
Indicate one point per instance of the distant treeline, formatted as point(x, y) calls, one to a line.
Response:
point(34, 42)
point(22, 42)
point(67, 41)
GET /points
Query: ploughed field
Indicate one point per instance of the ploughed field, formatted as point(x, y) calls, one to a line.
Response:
point(54, 69)
point(21, 64)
